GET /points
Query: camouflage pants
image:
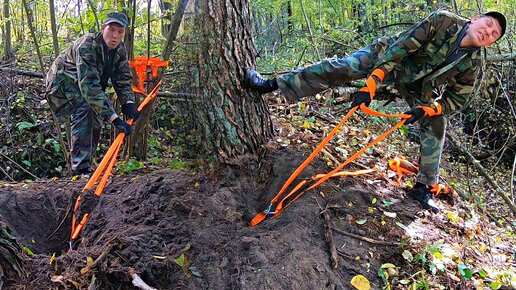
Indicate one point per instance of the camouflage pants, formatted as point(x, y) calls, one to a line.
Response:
point(333, 72)
point(86, 125)
point(86, 128)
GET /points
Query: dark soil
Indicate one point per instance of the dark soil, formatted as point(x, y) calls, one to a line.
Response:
point(146, 220)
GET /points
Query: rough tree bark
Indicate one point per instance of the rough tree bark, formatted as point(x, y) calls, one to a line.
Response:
point(7, 33)
point(230, 119)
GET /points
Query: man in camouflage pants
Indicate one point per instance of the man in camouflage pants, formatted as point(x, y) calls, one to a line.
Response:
point(76, 82)
point(443, 49)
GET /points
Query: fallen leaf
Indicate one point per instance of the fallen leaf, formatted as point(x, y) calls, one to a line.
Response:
point(89, 261)
point(52, 259)
point(387, 266)
point(407, 255)
point(360, 282)
point(57, 278)
point(390, 214)
point(361, 221)
point(180, 260)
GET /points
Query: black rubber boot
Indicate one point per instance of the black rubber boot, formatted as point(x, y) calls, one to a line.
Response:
point(422, 193)
point(256, 82)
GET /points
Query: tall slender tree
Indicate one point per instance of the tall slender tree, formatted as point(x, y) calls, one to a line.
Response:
point(7, 34)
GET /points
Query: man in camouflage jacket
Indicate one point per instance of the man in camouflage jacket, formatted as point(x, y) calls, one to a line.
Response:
point(443, 49)
point(76, 83)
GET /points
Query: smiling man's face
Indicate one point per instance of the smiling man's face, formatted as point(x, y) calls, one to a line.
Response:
point(483, 31)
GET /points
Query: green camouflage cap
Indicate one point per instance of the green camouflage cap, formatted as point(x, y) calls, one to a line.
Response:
point(117, 17)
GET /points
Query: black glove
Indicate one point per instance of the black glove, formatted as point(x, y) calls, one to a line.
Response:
point(416, 114)
point(122, 126)
point(361, 98)
point(129, 110)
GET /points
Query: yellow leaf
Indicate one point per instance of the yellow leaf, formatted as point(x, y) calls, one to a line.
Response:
point(89, 261)
point(85, 270)
point(453, 216)
point(52, 259)
point(302, 107)
point(360, 282)
point(197, 184)
point(76, 284)
point(383, 222)
point(306, 125)
point(370, 209)
point(374, 200)
point(387, 266)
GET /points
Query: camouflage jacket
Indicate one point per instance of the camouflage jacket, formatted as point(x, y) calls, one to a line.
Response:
point(415, 59)
point(79, 70)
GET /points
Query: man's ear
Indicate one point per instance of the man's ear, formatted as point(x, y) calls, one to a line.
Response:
point(475, 18)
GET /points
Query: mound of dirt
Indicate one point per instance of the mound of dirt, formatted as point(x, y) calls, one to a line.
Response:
point(180, 230)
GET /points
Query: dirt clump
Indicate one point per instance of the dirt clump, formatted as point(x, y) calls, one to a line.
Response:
point(182, 230)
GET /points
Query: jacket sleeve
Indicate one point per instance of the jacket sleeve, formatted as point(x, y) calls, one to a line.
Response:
point(88, 78)
point(458, 91)
point(408, 42)
point(122, 78)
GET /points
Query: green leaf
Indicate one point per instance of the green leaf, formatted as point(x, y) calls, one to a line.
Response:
point(464, 271)
point(27, 162)
point(25, 125)
point(433, 268)
point(495, 285)
point(180, 260)
point(387, 203)
point(28, 251)
point(383, 274)
point(361, 221)
point(176, 164)
point(403, 130)
point(482, 273)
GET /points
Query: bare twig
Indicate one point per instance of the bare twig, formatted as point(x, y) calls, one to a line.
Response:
point(512, 178)
point(6, 174)
point(138, 282)
point(480, 169)
point(329, 239)
point(366, 239)
point(19, 166)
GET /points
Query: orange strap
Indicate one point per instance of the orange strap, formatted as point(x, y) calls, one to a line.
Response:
point(402, 167)
point(430, 112)
point(370, 86)
point(304, 185)
point(439, 189)
point(105, 168)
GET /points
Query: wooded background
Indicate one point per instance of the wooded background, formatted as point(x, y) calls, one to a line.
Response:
point(203, 108)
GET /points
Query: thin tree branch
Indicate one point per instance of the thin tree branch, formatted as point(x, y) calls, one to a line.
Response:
point(480, 169)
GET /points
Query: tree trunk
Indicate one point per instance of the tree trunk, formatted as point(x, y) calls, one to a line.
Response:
point(30, 20)
point(230, 119)
point(53, 26)
point(173, 29)
point(7, 34)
